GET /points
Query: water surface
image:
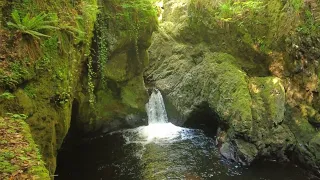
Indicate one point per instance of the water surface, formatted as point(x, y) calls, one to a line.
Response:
point(162, 151)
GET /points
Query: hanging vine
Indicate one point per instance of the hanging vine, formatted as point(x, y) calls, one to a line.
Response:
point(102, 38)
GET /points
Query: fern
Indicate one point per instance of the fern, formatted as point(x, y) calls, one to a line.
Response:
point(31, 25)
point(7, 95)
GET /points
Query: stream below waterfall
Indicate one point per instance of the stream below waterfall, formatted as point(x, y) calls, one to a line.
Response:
point(160, 150)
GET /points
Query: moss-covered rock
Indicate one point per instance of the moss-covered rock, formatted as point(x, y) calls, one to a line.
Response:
point(20, 157)
point(47, 70)
point(268, 110)
point(269, 97)
point(252, 108)
point(55, 75)
point(121, 56)
point(116, 68)
point(134, 94)
point(195, 60)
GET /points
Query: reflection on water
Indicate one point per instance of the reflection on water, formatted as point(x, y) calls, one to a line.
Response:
point(162, 151)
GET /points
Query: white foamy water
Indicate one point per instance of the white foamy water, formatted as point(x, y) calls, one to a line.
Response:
point(159, 127)
point(156, 109)
point(159, 130)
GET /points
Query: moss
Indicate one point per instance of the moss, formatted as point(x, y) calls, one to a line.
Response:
point(116, 68)
point(2, 3)
point(53, 71)
point(113, 103)
point(122, 35)
point(131, 16)
point(234, 99)
point(314, 146)
point(269, 133)
point(250, 102)
point(269, 96)
point(251, 31)
point(299, 125)
point(45, 79)
point(6, 166)
point(134, 94)
point(15, 74)
point(39, 170)
point(247, 152)
point(132, 24)
point(22, 155)
point(106, 100)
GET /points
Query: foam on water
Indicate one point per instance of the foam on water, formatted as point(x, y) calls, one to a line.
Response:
point(158, 129)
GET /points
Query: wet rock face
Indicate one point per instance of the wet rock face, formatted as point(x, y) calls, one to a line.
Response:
point(239, 151)
point(251, 109)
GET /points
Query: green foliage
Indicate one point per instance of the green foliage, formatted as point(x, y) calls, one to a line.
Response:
point(135, 14)
point(90, 11)
point(66, 30)
point(131, 16)
point(7, 95)
point(16, 74)
point(5, 165)
point(310, 25)
point(19, 156)
point(226, 11)
point(30, 91)
point(91, 74)
point(75, 30)
point(296, 4)
point(232, 11)
point(17, 116)
point(49, 49)
point(259, 24)
point(102, 38)
point(32, 25)
point(127, 18)
point(77, 24)
point(61, 98)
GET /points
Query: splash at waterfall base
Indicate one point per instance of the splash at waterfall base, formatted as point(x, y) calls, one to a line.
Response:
point(158, 125)
point(160, 150)
point(161, 131)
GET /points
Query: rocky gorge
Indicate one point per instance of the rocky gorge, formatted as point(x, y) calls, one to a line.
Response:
point(250, 67)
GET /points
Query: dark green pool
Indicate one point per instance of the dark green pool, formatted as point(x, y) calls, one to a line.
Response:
point(166, 152)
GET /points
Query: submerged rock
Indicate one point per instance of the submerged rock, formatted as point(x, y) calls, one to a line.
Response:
point(239, 151)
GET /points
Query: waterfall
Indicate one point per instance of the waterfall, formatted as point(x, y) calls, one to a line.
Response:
point(159, 126)
point(155, 109)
